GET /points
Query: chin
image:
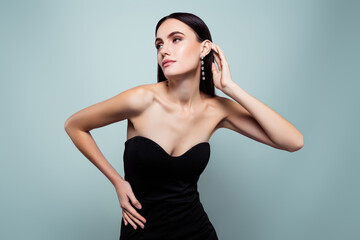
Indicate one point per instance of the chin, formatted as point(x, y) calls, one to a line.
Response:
point(172, 74)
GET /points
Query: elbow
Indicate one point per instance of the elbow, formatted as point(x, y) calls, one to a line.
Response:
point(67, 124)
point(298, 145)
point(71, 125)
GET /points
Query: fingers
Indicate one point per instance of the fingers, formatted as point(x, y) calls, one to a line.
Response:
point(126, 222)
point(221, 54)
point(218, 62)
point(131, 215)
point(134, 213)
point(131, 219)
point(213, 68)
point(127, 219)
point(126, 216)
point(216, 56)
point(213, 46)
point(128, 202)
point(134, 201)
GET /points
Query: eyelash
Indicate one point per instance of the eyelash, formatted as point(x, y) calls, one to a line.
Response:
point(157, 46)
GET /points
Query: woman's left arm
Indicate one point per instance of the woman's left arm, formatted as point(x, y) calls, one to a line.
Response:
point(280, 131)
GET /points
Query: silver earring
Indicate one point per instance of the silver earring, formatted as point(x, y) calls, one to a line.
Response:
point(202, 68)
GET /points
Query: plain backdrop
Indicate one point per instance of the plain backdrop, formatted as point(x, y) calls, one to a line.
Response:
point(300, 58)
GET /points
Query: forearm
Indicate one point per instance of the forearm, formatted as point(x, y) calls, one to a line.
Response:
point(279, 130)
point(87, 146)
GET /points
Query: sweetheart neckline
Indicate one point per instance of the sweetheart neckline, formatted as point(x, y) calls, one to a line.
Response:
point(162, 149)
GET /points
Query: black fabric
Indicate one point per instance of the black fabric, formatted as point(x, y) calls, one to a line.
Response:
point(166, 187)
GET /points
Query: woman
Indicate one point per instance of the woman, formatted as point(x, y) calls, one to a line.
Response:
point(169, 126)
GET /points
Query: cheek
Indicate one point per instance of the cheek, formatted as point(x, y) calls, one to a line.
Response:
point(188, 56)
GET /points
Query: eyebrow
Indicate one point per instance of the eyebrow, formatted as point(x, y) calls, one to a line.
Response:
point(171, 34)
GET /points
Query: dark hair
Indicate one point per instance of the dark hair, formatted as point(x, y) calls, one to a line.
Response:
point(202, 33)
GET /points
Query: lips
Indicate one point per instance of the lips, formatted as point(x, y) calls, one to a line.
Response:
point(164, 63)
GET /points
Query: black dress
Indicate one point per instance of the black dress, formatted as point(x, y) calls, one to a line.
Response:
point(166, 187)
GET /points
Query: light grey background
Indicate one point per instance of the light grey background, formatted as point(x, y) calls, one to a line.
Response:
point(301, 58)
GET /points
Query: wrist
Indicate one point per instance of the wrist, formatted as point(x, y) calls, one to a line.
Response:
point(229, 88)
point(117, 181)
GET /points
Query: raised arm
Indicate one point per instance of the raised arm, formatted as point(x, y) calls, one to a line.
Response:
point(240, 120)
point(249, 116)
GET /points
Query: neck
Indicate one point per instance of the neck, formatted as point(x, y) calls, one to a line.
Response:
point(184, 92)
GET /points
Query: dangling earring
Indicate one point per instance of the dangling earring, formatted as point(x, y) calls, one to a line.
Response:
point(202, 68)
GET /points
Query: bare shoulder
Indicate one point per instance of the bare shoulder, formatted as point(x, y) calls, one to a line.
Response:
point(140, 97)
point(221, 103)
point(134, 100)
point(126, 104)
point(230, 106)
point(230, 110)
point(154, 88)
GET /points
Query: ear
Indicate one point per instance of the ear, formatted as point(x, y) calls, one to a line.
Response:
point(206, 47)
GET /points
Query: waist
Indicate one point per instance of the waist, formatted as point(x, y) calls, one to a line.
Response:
point(169, 190)
point(169, 197)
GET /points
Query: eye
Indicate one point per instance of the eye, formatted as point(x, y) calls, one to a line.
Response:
point(158, 45)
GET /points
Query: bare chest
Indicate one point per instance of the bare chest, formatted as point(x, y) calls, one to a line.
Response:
point(174, 129)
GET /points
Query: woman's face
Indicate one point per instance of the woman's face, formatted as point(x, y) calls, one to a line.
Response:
point(182, 47)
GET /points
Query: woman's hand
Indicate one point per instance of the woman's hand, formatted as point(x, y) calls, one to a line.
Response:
point(130, 215)
point(222, 78)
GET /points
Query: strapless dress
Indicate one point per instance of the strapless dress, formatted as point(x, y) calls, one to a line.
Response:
point(166, 187)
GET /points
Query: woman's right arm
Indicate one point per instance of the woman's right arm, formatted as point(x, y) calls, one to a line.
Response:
point(127, 104)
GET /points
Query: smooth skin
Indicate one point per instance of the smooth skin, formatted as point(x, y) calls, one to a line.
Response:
point(178, 116)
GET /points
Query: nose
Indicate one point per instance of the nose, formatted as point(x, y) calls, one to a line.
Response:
point(164, 49)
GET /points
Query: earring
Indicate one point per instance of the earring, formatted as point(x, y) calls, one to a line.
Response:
point(202, 68)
